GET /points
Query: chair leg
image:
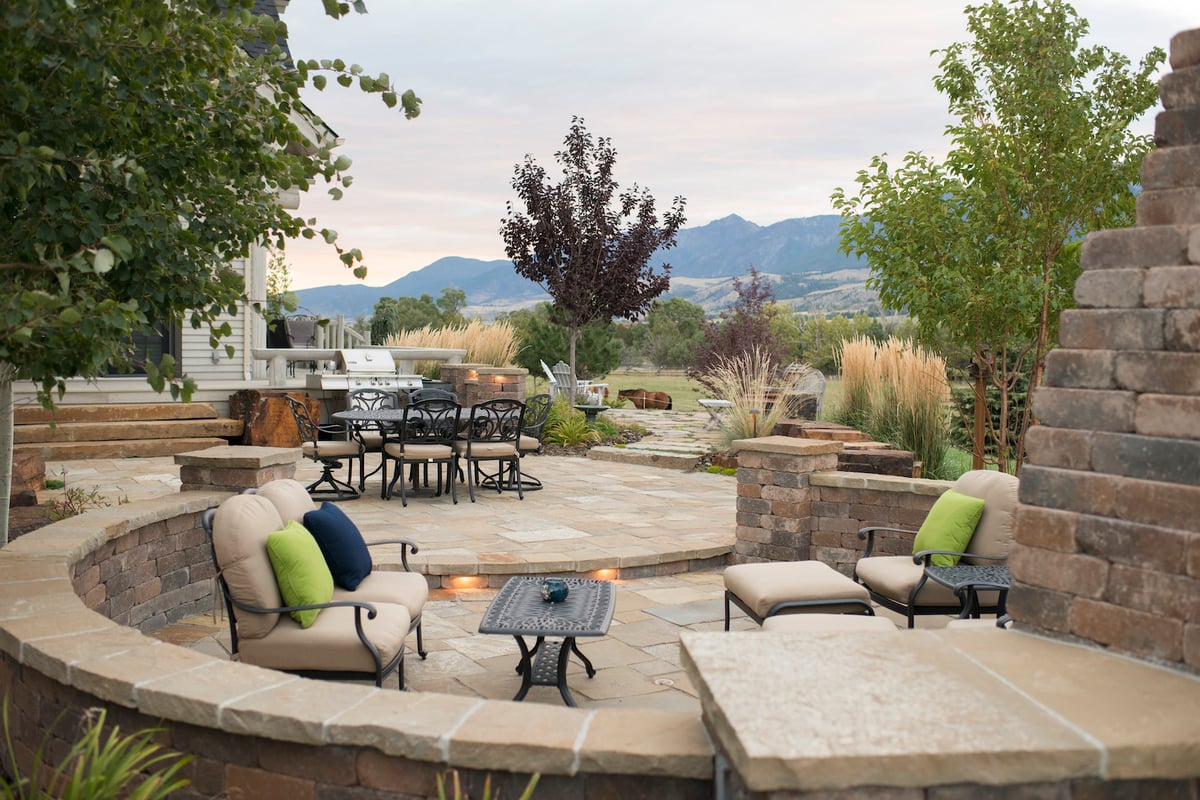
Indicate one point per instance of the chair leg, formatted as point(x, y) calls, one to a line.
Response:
point(421, 641)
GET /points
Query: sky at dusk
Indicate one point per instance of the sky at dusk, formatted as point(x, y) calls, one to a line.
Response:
point(758, 109)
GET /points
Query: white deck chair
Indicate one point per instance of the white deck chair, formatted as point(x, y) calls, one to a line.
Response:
point(591, 393)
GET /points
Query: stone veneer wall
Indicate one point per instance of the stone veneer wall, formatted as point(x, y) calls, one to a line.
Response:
point(793, 504)
point(475, 383)
point(70, 592)
point(1108, 534)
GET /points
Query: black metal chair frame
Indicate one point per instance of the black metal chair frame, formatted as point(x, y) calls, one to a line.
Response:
point(785, 606)
point(418, 395)
point(494, 422)
point(232, 606)
point(910, 610)
point(311, 432)
point(370, 399)
point(537, 412)
point(426, 422)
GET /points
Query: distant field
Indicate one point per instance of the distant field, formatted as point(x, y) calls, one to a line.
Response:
point(684, 392)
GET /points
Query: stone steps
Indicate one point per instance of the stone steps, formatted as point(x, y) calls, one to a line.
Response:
point(646, 456)
point(113, 430)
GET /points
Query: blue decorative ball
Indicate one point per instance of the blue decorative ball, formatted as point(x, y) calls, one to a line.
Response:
point(554, 590)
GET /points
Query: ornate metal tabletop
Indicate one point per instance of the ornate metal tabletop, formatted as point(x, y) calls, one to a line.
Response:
point(519, 611)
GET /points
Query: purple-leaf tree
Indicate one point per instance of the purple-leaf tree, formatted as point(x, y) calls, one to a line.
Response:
point(743, 327)
point(584, 240)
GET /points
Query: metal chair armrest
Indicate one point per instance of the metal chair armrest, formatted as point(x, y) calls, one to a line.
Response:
point(407, 545)
point(868, 533)
point(924, 556)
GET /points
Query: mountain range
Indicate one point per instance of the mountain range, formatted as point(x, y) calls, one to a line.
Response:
point(800, 257)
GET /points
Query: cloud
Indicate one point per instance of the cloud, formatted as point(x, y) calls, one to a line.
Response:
point(759, 109)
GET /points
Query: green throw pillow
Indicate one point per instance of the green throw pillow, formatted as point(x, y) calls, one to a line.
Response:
point(949, 526)
point(300, 570)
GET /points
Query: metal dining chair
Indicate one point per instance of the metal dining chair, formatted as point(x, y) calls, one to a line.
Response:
point(370, 434)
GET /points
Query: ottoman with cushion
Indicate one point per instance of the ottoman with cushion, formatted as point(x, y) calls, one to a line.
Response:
point(792, 587)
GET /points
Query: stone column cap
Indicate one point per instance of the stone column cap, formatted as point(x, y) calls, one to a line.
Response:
point(239, 457)
point(787, 445)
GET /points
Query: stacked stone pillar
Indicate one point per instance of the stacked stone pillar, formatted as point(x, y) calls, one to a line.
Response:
point(774, 497)
point(1108, 531)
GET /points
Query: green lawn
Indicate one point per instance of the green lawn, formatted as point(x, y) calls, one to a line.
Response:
point(684, 392)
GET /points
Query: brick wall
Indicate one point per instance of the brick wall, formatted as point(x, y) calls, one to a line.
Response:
point(794, 505)
point(1107, 540)
point(475, 383)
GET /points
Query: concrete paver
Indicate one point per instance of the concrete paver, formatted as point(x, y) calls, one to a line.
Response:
point(591, 515)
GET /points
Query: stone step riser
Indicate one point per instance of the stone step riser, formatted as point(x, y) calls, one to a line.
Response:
point(645, 457)
point(111, 431)
point(113, 412)
point(143, 448)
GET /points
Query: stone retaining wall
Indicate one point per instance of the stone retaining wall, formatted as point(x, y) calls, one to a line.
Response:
point(66, 589)
point(794, 506)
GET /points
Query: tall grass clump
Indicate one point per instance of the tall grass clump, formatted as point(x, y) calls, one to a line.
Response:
point(103, 763)
point(898, 393)
point(491, 343)
point(860, 373)
point(744, 380)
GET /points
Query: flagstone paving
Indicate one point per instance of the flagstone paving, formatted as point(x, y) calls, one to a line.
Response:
point(591, 515)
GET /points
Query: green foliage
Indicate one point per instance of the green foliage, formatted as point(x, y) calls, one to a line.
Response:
point(74, 501)
point(585, 242)
point(821, 338)
point(975, 248)
point(747, 326)
point(670, 333)
point(97, 767)
point(395, 315)
point(459, 794)
point(141, 150)
point(597, 350)
point(568, 427)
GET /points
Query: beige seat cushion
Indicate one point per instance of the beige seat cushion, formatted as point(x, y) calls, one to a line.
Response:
point(289, 497)
point(419, 452)
point(331, 643)
point(334, 449)
point(894, 576)
point(487, 449)
point(527, 443)
point(240, 529)
point(998, 490)
point(760, 586)
point(408, 589)
point(782, 623)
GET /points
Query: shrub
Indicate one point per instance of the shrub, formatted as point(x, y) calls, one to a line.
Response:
point(897, 392)
point(98, 767)
point(567, 427)
point(744, 380)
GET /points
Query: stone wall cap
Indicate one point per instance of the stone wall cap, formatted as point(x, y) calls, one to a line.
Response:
point(786, 445)
point(878, 483)
point(239, 457)
point(958, 706)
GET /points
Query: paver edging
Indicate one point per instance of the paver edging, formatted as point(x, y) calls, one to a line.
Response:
point(50, 638)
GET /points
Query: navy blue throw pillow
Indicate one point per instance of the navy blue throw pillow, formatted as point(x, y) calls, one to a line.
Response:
point(340, 542)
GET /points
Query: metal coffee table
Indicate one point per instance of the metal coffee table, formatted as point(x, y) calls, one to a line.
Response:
point(519, 611)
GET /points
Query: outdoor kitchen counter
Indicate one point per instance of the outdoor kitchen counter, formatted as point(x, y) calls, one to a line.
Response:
point(404, 357)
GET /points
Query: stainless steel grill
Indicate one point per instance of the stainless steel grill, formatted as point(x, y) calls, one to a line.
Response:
point(363, 369)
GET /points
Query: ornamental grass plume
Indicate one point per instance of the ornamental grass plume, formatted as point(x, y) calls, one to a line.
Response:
point(491, 343)
point(897, 392)
point(860, 372)
point(748, 381)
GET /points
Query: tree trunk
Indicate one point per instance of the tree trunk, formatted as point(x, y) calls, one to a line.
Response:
point(977, 439)
point(7, 373)
point(572, 335)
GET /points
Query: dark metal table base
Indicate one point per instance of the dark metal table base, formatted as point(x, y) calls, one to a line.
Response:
point(545, 664)
point(519, 611)
point(968, 580)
